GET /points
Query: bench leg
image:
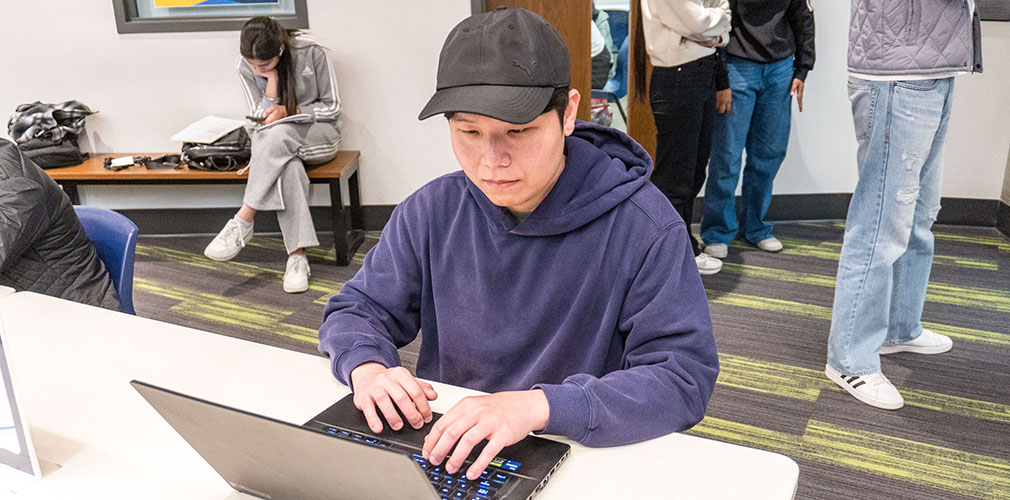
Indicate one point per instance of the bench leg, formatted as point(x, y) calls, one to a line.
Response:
point(357, 214)
point(71, 189)
point(339, 224)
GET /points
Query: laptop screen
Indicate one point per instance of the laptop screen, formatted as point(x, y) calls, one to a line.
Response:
point(15, 446)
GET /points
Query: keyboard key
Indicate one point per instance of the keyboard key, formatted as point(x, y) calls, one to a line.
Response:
point(445, 491)
point(484, 491)
point(459, 494)
point(501, 477)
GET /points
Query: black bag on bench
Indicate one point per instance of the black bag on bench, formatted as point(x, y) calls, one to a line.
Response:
point(226, 154)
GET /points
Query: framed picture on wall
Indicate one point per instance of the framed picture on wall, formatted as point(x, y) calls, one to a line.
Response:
point(161, 16)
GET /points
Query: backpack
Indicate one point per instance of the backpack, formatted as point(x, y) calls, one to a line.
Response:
point(47, 133)
point(226, 154)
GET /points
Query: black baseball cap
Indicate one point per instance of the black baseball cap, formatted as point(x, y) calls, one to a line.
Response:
point(504, 64)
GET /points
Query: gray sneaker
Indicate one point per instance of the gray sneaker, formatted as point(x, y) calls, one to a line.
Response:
point(229, 242)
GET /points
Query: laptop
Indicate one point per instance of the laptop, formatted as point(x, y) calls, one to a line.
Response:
point(335, 455)
point(18, 462)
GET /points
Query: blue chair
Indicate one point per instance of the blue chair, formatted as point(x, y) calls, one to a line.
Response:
point(619, 84)
point(115, 238)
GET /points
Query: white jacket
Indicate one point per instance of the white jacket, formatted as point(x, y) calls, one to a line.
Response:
point(671, 25)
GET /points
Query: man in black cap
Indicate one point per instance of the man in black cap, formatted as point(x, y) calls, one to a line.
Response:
point(549, 272)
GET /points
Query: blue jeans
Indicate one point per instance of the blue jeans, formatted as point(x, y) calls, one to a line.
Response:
point(887, 253)
point(759, 122)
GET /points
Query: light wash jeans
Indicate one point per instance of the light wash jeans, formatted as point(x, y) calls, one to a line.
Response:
point(759, 121)
point(888, 248)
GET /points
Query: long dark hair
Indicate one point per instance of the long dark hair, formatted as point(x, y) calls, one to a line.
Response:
point(263, 39)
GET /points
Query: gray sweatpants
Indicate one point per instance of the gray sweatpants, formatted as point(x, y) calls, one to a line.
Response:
point(277, 178)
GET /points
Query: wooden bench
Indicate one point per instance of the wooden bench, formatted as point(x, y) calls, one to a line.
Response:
point(340, 171)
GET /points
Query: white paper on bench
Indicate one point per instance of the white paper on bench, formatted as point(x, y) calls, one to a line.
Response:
point(207, 129)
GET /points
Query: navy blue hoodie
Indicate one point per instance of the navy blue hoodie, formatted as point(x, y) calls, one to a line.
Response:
point(595, 298)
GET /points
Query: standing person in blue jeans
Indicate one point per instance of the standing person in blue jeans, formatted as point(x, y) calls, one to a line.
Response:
point(901, 85)
point(770, 52)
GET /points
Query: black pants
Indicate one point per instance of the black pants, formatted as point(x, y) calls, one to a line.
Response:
point(683, 105)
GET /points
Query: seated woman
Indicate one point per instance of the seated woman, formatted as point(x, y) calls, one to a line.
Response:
point(43, 246)
point(288, 82)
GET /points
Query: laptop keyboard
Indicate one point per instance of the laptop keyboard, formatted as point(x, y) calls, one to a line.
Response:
point(457, 486)
point(448, 486)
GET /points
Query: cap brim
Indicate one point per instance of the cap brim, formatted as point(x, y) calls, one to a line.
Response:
point(510, 104)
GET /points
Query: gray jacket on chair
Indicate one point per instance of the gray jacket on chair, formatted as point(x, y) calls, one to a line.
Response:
point(43, 247)
point(894, 37)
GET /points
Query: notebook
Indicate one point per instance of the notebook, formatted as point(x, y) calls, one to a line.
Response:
point(334, 455)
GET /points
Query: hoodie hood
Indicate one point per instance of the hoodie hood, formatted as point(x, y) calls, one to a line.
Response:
point(603, 168)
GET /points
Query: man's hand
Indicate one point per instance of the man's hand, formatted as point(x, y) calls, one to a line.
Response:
point(378, 387)
point(274, 113)
point(797, 91)
point(503, 418)
point(724, 101)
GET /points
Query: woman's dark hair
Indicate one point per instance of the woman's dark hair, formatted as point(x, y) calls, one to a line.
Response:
point(263, 39)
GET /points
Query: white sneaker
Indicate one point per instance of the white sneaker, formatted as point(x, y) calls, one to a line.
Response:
point(873, 389)
point(717, 250)
point(770, 244)
point(928, 342)
point(296, 274)
point(707, 264)
point(229, 242)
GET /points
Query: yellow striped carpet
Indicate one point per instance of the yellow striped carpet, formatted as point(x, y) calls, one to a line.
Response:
point(771, 314)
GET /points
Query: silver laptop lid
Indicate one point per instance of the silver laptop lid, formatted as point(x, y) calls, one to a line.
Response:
point(16, 450)
point(268, 458)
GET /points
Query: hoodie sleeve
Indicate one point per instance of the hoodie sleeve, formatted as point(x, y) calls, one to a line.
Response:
point(669, 364)
point(691, 19)
point(379, 309)
point(327, 107)
point(256, 101)
point(801, 20)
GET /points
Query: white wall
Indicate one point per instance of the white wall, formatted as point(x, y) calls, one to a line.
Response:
point(385, 53)
point(149, 86)
point(822, 148)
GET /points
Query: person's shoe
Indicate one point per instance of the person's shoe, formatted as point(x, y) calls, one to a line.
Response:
point(770, 244)
point(717, 250)
point(928, 342)
point(229, 242)
point(873, 389)
point(296, 274)
point(707, 264)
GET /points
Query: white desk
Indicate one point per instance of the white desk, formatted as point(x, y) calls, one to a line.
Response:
point(74, 362)
point(5, 291)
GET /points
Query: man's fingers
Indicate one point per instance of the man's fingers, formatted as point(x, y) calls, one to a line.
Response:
point(490, 451)
point(447, 439)
point(385, 405)
point(406, 402)
point(374, 423)
point(415, 397)
point(471, 438)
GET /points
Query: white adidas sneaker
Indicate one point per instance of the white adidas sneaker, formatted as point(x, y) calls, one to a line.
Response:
point(296, 274)
point(873, 389)
point(928, 342)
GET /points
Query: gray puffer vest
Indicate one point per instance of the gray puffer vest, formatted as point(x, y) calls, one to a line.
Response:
point(43, 246)
point(921, 37)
